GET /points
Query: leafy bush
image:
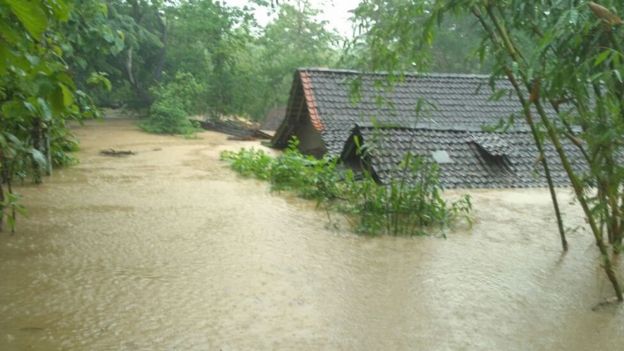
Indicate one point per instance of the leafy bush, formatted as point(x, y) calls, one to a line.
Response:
point(408, 203)
point(167, 118)
point(174, 102)
point(411, 202)
point(307, 176)
point(249, 163)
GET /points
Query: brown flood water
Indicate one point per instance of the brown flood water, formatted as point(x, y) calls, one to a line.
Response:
point(169, 250)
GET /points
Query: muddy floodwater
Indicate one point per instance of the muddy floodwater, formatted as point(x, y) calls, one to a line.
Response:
point(168, 249)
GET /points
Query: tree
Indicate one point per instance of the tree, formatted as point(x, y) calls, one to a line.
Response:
point(208, 40)
point(448, 53)
point(294, 39)
point(37, 95)
point(565, 55)
point(140, 65)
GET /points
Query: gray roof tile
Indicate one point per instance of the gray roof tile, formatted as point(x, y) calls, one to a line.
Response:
point(420, 114)
point(473, 166)
point(462, 101)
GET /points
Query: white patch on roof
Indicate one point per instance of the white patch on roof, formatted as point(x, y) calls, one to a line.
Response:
point(441, 156)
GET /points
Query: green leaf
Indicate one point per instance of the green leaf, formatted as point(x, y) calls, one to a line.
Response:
point(31, 15)
point(32, 59)
point(68, 96)
point(45, 109)
point(498, 94)
point(13, 139)
point(103, 8)
point(603, 56)
point(5, 57)
point(618, 76)
point(573, 16)
point(13, 109)
point(62, 9)
point(38, 157)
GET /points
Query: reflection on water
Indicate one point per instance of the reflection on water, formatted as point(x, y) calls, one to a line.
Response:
point(168, 249)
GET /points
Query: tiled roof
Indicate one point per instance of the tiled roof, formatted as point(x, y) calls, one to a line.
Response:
point(478, 159)
point(492, 143)
point(437, 116)
point(436, 100)
point(308, 92)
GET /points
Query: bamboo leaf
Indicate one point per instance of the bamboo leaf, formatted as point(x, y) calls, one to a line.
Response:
point(602, 57)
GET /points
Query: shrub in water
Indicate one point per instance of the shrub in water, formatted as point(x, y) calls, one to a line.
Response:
point(410, 202)
point(174, 102)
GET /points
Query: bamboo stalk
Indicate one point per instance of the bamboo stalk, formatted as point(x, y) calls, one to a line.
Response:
point(576, 184)
point(578, 189)
point(535, 134)
point(544, 162)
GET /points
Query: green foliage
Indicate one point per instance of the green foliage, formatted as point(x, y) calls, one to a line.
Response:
point(376, 45)
point(565, 61)
point(138, 46)
point(407, 204)
point(294, 39)
point(209, 40)
point(11, 202)
point(37, 94)
point(250, 162)
point(402, 207)
point(174, 103)
point(166, 117)
point(307, 176)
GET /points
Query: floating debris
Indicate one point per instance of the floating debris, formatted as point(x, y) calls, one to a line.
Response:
point(117, 153)
point(237, 131)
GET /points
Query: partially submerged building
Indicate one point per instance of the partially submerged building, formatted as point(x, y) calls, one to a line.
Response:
point(273, 118)
point(442, 117)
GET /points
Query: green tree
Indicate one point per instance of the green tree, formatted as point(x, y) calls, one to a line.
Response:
point(563, 55)
point(208, 40)
point(174, 102)
point(37, 94)
point(448, 53)
point(89, 38)
point(294, 39)
point(140, 65)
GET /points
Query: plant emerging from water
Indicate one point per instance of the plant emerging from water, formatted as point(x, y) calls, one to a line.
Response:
point(407, 205)
point(174, 103)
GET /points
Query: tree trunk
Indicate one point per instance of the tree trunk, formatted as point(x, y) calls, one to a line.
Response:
point(36, 143)
point(163, 51)
point(1, 191)
point(48, 151)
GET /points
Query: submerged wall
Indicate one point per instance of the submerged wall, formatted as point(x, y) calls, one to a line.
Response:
point(310, 141)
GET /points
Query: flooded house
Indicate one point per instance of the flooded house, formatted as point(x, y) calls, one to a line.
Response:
point(273, 118)
point(470, 125)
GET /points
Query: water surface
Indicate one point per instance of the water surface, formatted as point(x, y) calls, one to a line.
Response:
point(169, 249)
